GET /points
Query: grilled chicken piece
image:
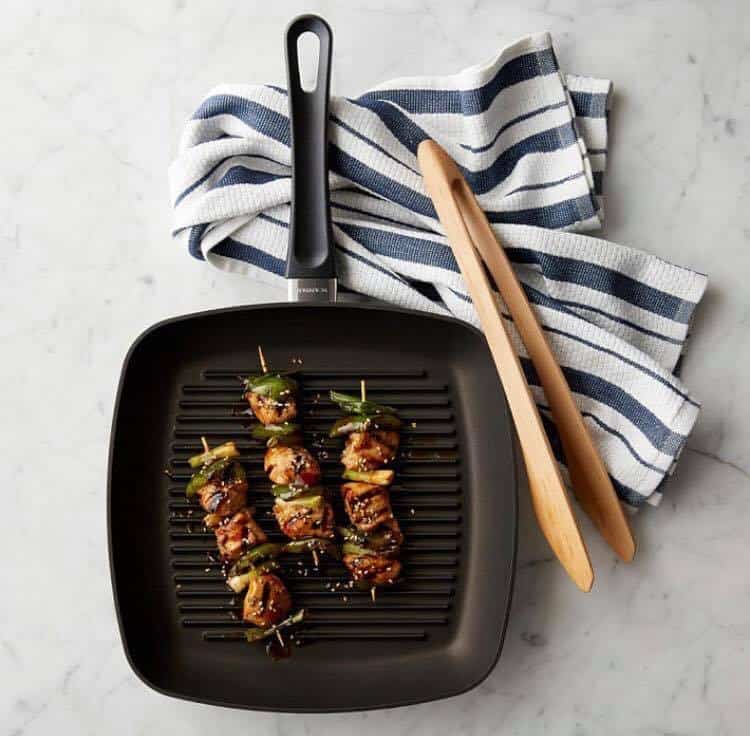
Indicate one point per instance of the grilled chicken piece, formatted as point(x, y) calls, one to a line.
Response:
point(365, 451)
point(286, 465)
point(267, 600)
point(367, 505)
point(388, 534)
point(299, 520)
point(270, 411)
point(237, 534)
point(223, 498)
point(374, 569)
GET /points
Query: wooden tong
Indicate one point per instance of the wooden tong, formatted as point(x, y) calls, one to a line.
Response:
point(470, 236)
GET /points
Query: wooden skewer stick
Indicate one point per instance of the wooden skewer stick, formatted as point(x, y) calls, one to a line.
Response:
point(262, 358)
point(363, 392)
point(205, 444)
point(280, 638)
point(363, 395)
point(316, 561)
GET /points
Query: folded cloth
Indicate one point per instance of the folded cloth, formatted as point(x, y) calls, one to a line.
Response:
point(532, 143)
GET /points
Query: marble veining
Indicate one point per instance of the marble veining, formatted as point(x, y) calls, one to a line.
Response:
point(95, 94)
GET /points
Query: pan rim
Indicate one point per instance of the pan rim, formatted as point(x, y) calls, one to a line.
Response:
point(110, 550)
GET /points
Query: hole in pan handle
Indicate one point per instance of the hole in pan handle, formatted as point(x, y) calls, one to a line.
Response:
point(310, 266)
point(308, 53)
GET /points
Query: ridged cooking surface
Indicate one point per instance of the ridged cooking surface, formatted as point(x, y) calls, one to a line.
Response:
point(426, 500)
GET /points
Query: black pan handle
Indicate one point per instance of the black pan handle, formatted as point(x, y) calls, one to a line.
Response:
point(310, 254)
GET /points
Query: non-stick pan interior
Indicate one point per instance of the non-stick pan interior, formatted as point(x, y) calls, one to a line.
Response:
point(438, 634)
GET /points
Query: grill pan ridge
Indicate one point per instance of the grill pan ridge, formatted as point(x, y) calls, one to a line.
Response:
point(426, 500)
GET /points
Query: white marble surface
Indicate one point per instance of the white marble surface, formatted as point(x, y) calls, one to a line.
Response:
point(93, 96)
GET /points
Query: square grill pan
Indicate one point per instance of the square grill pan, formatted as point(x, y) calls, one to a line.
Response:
point(436, 634)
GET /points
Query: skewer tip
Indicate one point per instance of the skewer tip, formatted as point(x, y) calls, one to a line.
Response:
point(363, 389)
point(373, 593)
point(262, 358)
point(280, 638)
point(205, 444)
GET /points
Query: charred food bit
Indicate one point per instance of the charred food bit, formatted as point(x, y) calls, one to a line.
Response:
point(374, 569)
point(368, 505)
point(285, 465)
point(305, 516)
point(267, 600)
point(366, 451)
point(272, 411)
point(223, 498)
point(238, 534)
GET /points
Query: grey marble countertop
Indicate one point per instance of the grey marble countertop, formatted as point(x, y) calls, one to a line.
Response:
point(94, 95)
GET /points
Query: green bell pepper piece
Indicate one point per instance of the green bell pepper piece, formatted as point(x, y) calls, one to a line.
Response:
point(312, 543)
point(227, 450)
point(238, 582)
point(353, 405)
point(350, 534)
point(362, 423)
point(268, 550)
point(286, 492)
point(206, 474)
point(350, 548)
point(310, 500)
point(290, 440)
point(376, 477)
point(256, 634)
point(272, 385)
point(374, 542)
point(275, 431)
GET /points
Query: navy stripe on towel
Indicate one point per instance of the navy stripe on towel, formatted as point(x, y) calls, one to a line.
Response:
point(230, 248)
point(471, 101)
point(605, 280)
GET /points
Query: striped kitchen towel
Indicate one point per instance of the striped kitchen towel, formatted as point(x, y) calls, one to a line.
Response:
point(532, 143)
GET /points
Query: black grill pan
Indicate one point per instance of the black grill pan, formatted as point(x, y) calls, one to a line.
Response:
point(436, 634)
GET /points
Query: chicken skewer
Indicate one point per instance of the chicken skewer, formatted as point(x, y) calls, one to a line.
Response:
point(372, 545)
point(220, 485)
point(301, 508)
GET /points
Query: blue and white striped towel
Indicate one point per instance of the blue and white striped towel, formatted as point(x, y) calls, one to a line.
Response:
point(532, 143)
